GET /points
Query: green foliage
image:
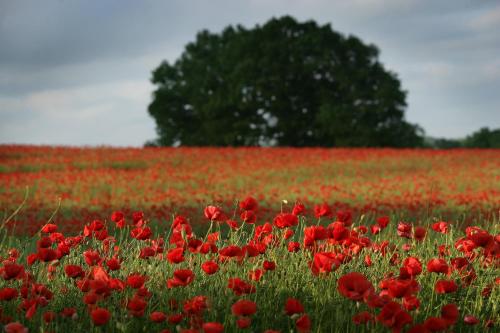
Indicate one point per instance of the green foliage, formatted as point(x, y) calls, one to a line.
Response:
point(484, 138)
point(283, 83)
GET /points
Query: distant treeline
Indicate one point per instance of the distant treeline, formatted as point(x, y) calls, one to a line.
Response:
point(483, 138)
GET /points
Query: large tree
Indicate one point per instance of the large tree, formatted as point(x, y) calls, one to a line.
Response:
point(283, 83)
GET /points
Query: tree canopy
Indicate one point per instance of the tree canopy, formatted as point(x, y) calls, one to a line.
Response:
point(282, 83)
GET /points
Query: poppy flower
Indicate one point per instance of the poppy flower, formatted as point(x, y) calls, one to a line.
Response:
point(213, 327)
point(210, 267)
point(354, 286)
point(15, 327)
point(437, 265)
point(298, 209)
point(293, 306)
point(450, 313)
point(324, 262)
point(249, 204)
point(136, 306)
point(394, 317)
point(470, 320)
point(100, 316)
point(269, 265)
point(303, 324)
point(419, 233)
point(141, 233)
point(243, 322)
point(47, 255)
point(92, 257)
point(119, 219)
point(435, 324)
point(49, 228)
point(445, 286)
point(240, 287)
point(322, 210)
point(213, 213)
point(293, 247)
point(363, 317)
point(285, 220)
point(244, 307)
point(11, 271)
point(404, 229)
point(113, 264)
point(182, 277)
point(74, 271)
point(176, 255)
point(413, 266)
point(157, 317)
point(441, 227)
point(136, 280)
point(383, 221)
point(248, 216)
point(411, 303)
point(7, 294)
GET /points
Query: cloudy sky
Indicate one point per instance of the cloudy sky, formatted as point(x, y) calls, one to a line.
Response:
point(77, 72)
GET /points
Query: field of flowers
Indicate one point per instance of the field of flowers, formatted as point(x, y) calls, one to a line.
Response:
point(249, 239)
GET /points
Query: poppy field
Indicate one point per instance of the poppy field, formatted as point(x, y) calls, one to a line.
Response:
point(249, 240)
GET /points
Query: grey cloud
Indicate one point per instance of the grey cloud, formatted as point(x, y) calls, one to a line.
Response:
point(444, 52)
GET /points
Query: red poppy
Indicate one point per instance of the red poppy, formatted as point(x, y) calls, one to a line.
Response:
point(298, 209)
point(413, 266)
point(322, 210)
point(244, 322)
point(100, 316)
point(113, 264)
point(47, 255)
point(445, 286)
point(303, 324)
point(419, 233)
point(441, 227)
point(92, 257)
point(411, 303)
point(74, 271)
point(363, 317)
point(293, 306)
point(437, 265)
point(248, 216)
point(240, 287)
point(269, 265)
point(324, 262)
point(11, 271)
point(119, 219)
point(470, 320)
point(210, 267)
point(394, 317)
point(141, 233)
point(7, 294)
point(182, 277)
point(176, 255)
point(383, 221)
point(213, 327)
point(15, 327)
point(244, 307)
point(450, 313)
point(137, 306)
point(157, 317)
point(249, 204)
point(136, 280)
point(293, 246)
point(49, 228)
point(435, 324)
point(285, 220)
point(404, 229)
point(354, 286)
point(213, 213)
